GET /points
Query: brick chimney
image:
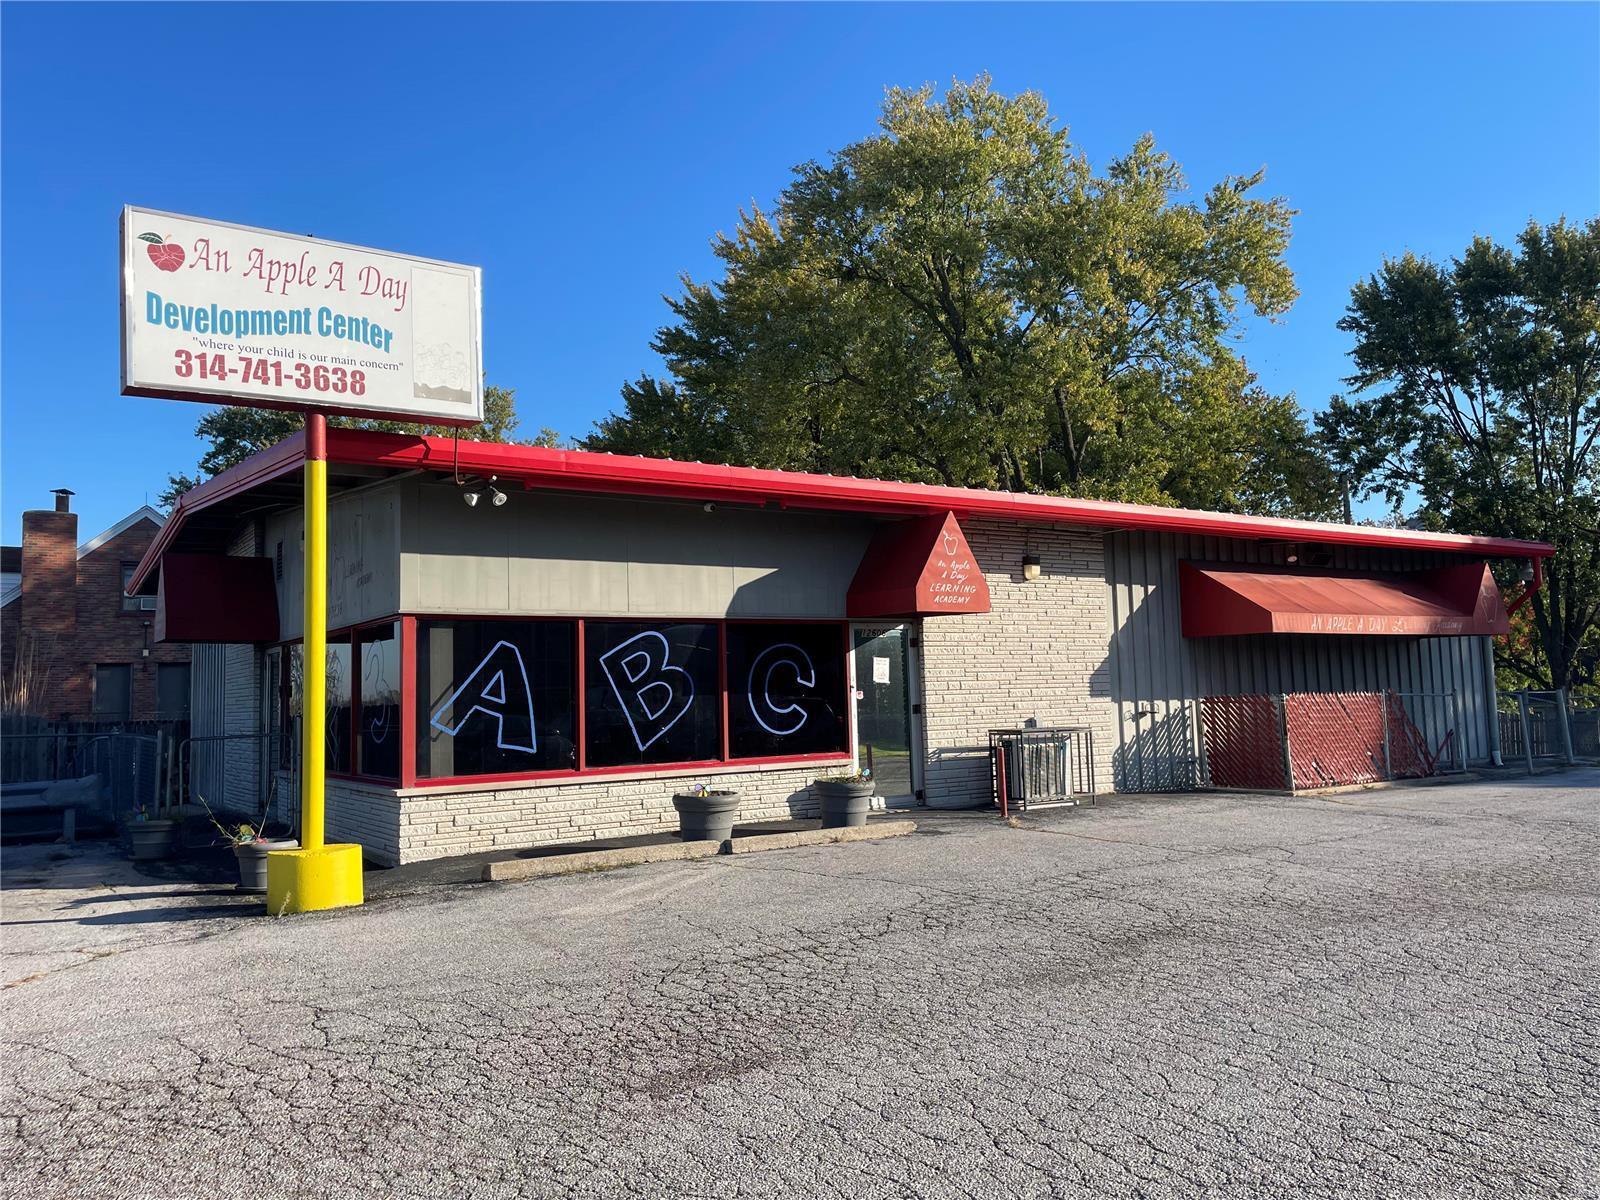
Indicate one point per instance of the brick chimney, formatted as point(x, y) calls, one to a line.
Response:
point(50, 568)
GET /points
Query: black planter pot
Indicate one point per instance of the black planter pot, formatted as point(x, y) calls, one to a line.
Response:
point(844, 802)
point(706, 818)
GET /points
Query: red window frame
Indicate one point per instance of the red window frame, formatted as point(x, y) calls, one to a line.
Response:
point(408, 720)
point(351, 635)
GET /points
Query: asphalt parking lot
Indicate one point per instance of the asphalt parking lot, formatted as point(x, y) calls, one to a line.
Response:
point(1382, 994)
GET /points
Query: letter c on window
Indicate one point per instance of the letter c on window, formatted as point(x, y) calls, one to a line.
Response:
point(779, 719)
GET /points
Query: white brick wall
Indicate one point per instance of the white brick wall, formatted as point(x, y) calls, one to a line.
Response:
point(396, 827)
point(1039, 653)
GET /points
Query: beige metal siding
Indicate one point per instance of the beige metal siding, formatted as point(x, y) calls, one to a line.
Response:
point(551, 554)
point(1157, 674)
point(363, 559)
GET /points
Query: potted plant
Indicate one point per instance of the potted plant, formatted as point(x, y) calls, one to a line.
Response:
point(150, 837)
point(705, 815)
point(846, 798)
point(250, 850)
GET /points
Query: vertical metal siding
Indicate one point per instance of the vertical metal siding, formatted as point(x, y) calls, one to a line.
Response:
point(208, 717)
point(1157, 676)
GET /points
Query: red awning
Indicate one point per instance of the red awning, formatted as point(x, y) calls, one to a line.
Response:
point(922, 567)
point(216, 598)
point(1459, 601)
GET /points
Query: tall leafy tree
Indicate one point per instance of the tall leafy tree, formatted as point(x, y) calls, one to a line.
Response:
point(961, 299)
point(1479, 394)
point(234, 434)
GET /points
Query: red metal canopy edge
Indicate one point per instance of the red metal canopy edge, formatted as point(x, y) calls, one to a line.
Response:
point(285, 458)
point(616, 474)
point(1220, 600)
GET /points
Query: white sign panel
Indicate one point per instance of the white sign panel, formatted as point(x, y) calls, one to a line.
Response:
point(233, 315)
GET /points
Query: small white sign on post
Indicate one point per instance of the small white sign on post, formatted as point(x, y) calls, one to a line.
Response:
point(228, 314)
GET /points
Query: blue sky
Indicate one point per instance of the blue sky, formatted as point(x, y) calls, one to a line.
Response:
point(584, 156)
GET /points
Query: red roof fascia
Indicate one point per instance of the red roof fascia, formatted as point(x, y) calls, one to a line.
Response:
point(921, 567)
point(285, 458)
point(579, 470)
point(616, 474)
point(1456, 601)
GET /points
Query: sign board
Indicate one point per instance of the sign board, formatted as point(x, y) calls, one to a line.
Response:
point(232, 315)
point(919, 567)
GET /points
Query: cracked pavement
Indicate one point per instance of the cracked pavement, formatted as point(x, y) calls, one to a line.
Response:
point(1380, 994)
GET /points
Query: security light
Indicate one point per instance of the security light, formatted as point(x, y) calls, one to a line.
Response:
point(477, 491)
point(1030, 567)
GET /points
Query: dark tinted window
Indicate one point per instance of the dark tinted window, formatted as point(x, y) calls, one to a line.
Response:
point(495, 697)
point(378, 734)
point(786, 690)
point(652, 693)
point(338, 704)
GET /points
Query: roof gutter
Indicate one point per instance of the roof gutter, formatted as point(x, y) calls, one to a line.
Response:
point(615, 474)
point(627, 475)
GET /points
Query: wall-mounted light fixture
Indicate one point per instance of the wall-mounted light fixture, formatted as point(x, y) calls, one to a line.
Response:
point(487, 488)
point(1030, 567)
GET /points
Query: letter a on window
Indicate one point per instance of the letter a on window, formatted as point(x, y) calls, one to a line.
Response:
point(653, 693)
point(497, 690)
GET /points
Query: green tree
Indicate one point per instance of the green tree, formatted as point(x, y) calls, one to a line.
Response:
point(960, 299)
point(1478, 393)
point(234, 434)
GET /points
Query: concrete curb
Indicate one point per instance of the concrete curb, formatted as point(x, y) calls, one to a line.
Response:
point(632, 856)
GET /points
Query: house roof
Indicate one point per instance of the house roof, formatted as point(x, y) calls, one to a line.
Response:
point(142, 513)
point(11, 556)
point(205, 515)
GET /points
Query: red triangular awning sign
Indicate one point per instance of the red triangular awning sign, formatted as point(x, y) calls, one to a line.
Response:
point(918, 568)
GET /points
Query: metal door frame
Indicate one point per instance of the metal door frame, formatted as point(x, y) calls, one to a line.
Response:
point(915, 710)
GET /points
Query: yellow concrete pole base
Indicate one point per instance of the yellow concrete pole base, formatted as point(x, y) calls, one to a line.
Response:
point(308, 880)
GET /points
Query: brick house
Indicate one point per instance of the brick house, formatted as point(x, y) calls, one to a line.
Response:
point(63, 602)
point(529, 646)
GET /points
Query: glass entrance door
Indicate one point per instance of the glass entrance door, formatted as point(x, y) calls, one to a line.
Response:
point(888, 733)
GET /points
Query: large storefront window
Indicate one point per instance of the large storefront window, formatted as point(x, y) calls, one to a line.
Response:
point(652, 693)
point(495, 697)
point(502, 698)
point(338, 704)
point(378, 733)
point(786, 690)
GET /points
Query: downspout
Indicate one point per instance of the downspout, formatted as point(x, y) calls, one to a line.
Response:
point(1494, 703)
point(1527, 592)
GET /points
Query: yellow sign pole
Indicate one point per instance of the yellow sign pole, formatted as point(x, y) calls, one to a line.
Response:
point(317, 875)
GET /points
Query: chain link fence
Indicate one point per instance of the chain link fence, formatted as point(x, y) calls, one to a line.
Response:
point(1305, 740)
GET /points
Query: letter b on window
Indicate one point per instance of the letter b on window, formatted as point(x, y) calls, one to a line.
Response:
point(653, 693)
